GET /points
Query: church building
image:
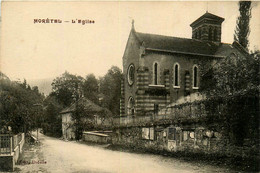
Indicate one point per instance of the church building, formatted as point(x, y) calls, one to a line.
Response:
point(158, 70)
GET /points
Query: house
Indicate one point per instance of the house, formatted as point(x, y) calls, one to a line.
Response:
point(162, 79)
point(100, 117)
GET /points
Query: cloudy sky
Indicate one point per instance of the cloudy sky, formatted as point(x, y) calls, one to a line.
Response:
point(36, 51)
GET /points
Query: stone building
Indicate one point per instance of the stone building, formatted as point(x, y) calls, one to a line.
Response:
point(160, 100)
point(159, 70)
point(96, 118)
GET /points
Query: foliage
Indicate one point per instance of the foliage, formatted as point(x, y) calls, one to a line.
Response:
point(69, 89)
point(110, 86)
point(90, 88)
point(242, 29)
point(83, 117)
point(18, 105)
point(66, 88)
point(233, 83)
point(52, 122)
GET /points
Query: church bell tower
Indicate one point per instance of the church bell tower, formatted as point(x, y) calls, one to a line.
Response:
point(207, 28)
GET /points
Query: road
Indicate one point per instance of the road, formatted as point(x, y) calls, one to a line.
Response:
point(55, 155)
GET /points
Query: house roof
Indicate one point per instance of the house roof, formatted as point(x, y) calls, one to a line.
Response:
point(87, 104)
point(182, 45)
point(209, 16)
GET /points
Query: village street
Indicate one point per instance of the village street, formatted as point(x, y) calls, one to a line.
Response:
point(55, 155)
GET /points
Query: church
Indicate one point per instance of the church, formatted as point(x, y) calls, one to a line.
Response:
point(160, 70)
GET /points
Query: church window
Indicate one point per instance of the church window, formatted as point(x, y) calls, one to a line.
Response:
point(199, 33)
point(176, 78)
point(130, 106)
point(155, 73)
point(156, 109)
point(210, 34)
point(195, 77)
point(130, 74)
point(215, 34)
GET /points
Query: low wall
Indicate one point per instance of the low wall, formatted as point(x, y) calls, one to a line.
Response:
point(96, 137)
point(179, 138)
point(6, 163)
point(18, 150)
point(16, 154)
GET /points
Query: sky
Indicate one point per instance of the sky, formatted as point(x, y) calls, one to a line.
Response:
point(36, 51)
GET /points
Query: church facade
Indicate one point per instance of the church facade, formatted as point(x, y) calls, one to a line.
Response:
point(160, 70)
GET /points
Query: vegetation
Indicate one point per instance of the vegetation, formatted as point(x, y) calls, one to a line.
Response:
point(24, 108)
point(73, 90)
point(66, 88)
point(233, 85)
point(51, 121)
point(110, 86)
point(91, 88)
point(243, 28)
point(19, 105)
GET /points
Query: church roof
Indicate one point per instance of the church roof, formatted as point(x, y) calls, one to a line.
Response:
point(209, 16)
point(182, 45)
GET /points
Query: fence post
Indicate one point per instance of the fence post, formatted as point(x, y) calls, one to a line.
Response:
point(11, 144)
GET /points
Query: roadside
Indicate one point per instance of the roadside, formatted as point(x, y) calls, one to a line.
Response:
point(226, 163)
point(231, 164)
point(55, 155)
point(36, 158)
point(32, 159)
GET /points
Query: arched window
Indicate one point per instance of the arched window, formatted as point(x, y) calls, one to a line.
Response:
point(215, 34)
point(176, 75)
point(131, 74)
point(199, 34)
point(155, 73)
point(130, 106)
point(196, 35)
point(210, 34)
point(195, 77)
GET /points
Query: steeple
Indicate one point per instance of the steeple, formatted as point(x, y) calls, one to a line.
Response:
point(133, 24)
point(207, 27)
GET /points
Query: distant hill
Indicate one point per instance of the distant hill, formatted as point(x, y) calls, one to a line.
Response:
point(44, 85)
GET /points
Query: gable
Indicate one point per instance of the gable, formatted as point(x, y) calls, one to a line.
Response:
point(131, 53)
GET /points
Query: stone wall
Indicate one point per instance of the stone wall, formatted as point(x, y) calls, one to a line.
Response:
point(96, 137)
point(196, 127)
point(186, 139)
point(6, 163)
point(171, 138)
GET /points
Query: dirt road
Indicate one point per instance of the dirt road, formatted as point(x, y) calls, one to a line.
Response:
point(54, 155)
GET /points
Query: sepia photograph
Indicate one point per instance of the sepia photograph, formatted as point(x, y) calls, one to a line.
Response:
point(129, 86)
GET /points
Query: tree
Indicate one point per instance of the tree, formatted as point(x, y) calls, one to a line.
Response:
point(16, 105)
point(233, 84)
point(83, 115)
point(242, 29)
point(66, 88)
point(110, 86)
point(52, 123)
point(90, 88)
